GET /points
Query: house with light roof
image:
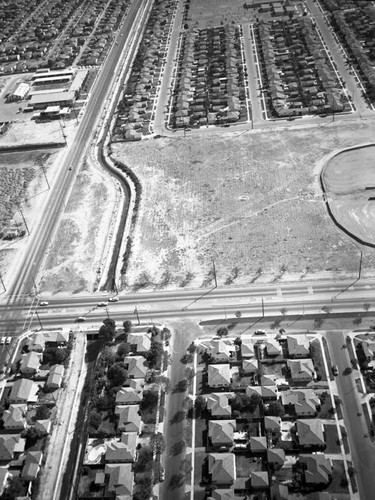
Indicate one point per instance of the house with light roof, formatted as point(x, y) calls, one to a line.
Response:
point(272, 424)
point(276, 457)
point(55, 377)
point(123, 450)
point(140, 343)
point(221, 350)
point(249, 366)
point(220, 432)
point(24, 391)
point(219, 375)
point(310, 433)
point(272, 347)
point(259, 479)
point(258, 444)
point(301, 370)
point(222, 468)
point(218, 404)
point(30, 363)
point(247, 348)
point(303, 402)
point(14, 417)
point(298, 346)
point(11, 446)
point(31, 465)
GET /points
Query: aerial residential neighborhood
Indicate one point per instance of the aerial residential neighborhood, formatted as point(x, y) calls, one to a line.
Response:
point(187, 266)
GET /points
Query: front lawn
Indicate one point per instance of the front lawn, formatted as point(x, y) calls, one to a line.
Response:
point(332, 438)
point(339, 481)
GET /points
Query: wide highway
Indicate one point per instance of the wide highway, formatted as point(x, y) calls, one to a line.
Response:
point(23, 281)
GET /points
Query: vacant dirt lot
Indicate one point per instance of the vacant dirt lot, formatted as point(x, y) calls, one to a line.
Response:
point(76, 254)
point(216, 12)
point(251, 202)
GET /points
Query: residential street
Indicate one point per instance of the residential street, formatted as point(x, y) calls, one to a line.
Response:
point(362, 448)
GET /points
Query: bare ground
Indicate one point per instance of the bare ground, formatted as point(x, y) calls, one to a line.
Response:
point(76, 253)
point(251, 202)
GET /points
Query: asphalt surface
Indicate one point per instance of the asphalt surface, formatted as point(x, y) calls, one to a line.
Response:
point(362, 448)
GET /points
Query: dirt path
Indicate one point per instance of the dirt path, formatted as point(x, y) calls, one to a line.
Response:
point(65, 420)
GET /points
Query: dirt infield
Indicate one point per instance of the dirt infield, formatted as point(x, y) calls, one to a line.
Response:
point(251, 202)
point(349, 183)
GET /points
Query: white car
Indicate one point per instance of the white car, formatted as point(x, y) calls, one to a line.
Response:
point(80, 319)
point(2, 340)
point(43, 303)
point(114, 299)
point(102, 304)
point(8, 340)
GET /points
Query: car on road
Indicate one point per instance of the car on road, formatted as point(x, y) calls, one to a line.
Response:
point(335, 370)
point(2, 341)
point(102, 304)
point(80, 319)
point(8, 340)
point(43, 303)
point(114, 299)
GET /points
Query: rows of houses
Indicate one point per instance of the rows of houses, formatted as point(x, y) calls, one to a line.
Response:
point(284, 447)
point(300, 78)
point(111, 459)
point(210, 85)
point(21, 396)
point(356, 28)
point(136, 108)
point(27, 40)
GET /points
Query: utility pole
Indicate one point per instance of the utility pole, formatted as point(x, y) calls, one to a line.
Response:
point(214, 268)
point(262, 307)
point(2, 282)
point(37, 315)
point(45, 176)
point(24, 220)
point(136, 313)
point(360, 265)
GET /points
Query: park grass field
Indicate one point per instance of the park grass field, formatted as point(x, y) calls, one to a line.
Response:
point(252, 202)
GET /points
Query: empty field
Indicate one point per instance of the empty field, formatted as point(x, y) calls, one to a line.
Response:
point(251, 202)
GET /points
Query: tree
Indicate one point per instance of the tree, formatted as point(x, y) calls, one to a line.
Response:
point(348, 370)
point(276, 409)
point(157, 443)
point(154, 355)
point(283, 311)
point(149, 401)
point(190, 373)
point(238, 314)
point(318, 322)
point(222, 331)
point(144, 459)
point(357, 321)
point(366, 306)
point(117, 374)
point(95, 419)
point(128, 325)
point(42, 412)
point(200, 404)
point(187, 358)
point(15, 488)
point(31, 435)
point(192, 348)
point(326, 309)
point(123, 349)
point(176, 481)
point(242, 402)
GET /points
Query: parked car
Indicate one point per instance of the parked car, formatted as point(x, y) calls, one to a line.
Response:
point(335, 370)
point(2, 340)
point(8, 340)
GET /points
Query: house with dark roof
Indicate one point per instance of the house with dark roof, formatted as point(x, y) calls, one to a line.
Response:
point(247, 348)
point(120, 479)
point(11, 446)
point(43, 426)
point(219, 375)
point(265, 392)
point(55, 377)
point(128, 396)
point(136, 366)
point(272, 424)
point(276, 456)
point(258, 444)
point(31, 465)
point(317, 468)
point(123, 450)
point(259, 479)
point(302, 402)
point(310, 433)
point(222, 468)
point(129, 419)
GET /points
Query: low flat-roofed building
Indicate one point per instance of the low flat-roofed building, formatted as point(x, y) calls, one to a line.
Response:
point(52, 99)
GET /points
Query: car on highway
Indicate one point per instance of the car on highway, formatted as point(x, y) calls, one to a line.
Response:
point(102, 304)
point(43, 303)
point(80, 319)
point(114, 299)
point(335, 370)
point(8, 340)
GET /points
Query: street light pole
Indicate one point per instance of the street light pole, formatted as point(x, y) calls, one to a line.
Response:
point(37, 315)
point(214, 268)
point(24, 220)
point(2, 282)
point(45, 176)
point(136, 313)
